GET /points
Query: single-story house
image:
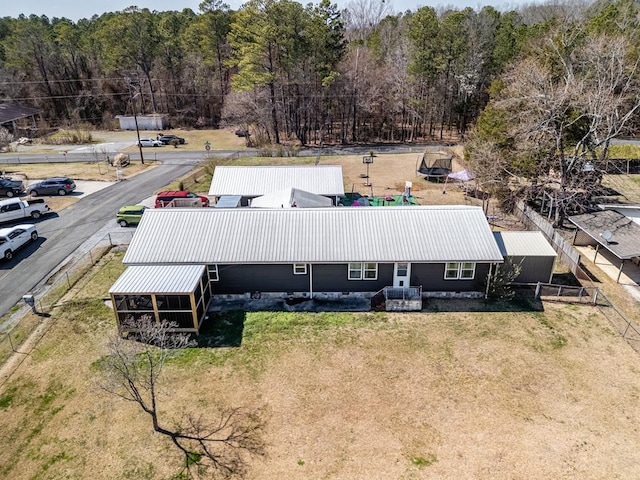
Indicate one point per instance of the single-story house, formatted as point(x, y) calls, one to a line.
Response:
point(308, 253)
point(610, 230)
point(250, 181)
point(291, 198)
point(12, 115)
point(531, 252)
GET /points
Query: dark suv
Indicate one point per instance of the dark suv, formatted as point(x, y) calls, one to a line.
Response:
point(52, 186)
point(10, 187)
point(165, 199)
point(167, 139)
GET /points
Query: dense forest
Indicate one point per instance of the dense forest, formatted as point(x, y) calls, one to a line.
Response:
point(537, 94)
point(311, 73)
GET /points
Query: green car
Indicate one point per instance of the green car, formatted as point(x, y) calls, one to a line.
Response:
point(130, 215)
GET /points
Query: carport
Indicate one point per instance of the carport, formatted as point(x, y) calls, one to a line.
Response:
point(176, 293)
point(615, 232)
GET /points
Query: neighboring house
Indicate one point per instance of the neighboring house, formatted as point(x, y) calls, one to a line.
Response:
point(312, 253)
point(15, 117)
point(291, 198)
point(250, 182)
point(630, 211)
point(610, 230)
point(531, 252)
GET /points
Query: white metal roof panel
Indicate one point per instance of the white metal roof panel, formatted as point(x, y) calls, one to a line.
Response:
point(163, 279)
point(250, 181)
point(524, 244)
point(290, 198)
point(313, 235)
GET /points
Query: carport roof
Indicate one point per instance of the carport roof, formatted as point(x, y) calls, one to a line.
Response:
point(625, 233)
point(160, 279)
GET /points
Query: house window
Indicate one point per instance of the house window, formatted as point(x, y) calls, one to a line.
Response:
point(299, 268)
point(213, 273)
point(363, 271)
point(460, 271)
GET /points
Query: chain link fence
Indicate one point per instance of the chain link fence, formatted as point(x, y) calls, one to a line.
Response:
point(23, 325)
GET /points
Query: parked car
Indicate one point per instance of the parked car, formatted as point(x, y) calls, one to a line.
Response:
point(130, 215)
point(172, 198)
point(167, 139)
point(149, 142)
point(10, 187)
point(52, 186)
point(16, 209)
point(16, 237)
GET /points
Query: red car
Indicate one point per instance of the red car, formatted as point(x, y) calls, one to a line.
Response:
point(165, 199)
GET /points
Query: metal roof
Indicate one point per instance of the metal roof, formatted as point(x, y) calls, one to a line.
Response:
point(12, 111)
point(289, 198)
point(229, 201)
point(255, 181)
point(313, 235)
point(625, 233)
point(161, 279)
point(524, 244)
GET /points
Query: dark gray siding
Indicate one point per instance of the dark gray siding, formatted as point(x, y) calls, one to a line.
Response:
point(237, 279)
point(335, 278)
point(431, 277)
point(534, 269)
point(259, 278)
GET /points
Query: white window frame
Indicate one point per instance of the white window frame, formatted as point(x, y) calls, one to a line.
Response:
point(213, 272)
point(299, 268)
point(363, 271)
point(459, 270)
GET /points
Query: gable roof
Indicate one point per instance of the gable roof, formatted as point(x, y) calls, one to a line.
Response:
point(432, 234)
point(12, 111)
point(291, 197)
point(255, 181)
point(524, 244)
point(625, 239)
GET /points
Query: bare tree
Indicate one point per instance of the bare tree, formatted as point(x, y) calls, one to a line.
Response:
point(560, 110)
point(133, 371)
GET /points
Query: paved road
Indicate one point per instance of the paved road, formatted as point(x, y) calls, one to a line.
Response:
point(63, 233)
point(173, 155)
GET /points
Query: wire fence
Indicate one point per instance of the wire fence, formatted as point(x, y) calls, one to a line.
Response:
point(22, 326)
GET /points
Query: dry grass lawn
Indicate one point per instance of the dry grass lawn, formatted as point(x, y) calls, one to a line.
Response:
point(465, 391)
point(450, 394)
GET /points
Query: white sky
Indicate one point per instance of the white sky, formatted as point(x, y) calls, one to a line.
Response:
point(76, 9)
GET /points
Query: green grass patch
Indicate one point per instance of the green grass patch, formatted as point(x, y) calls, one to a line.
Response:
point(422, 462)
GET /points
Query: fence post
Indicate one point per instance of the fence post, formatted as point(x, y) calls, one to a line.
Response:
point(595, 296)
point(537, 295)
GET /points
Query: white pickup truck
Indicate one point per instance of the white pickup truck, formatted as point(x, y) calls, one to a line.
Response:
point(13, 238)
point(16, 209)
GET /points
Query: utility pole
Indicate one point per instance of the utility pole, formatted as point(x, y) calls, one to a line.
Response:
point(135, 119)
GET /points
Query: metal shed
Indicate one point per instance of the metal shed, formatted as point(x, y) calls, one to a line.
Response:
point(531, 251)
point(177, 293)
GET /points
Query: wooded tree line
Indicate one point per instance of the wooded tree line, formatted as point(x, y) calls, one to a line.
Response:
point(283, 70)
